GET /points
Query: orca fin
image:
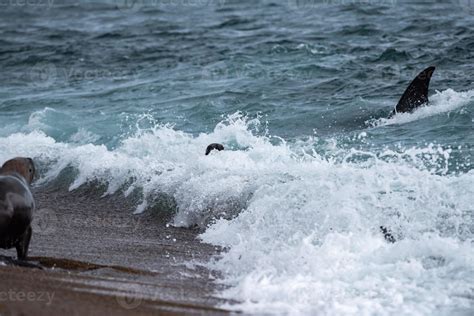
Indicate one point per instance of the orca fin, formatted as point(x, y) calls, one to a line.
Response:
point(416, 94)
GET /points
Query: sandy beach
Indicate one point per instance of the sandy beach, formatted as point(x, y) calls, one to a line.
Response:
point(96, 258)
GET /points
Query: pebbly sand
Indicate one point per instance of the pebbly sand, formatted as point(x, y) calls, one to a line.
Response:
point(96, 257)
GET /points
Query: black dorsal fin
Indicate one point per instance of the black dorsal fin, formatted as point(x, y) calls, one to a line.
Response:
point(417, 92)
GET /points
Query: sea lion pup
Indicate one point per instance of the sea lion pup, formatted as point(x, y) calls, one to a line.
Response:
point(16, 204)
point(213, 146)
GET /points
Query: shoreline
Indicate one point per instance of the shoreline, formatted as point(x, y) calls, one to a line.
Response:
point(92, 255)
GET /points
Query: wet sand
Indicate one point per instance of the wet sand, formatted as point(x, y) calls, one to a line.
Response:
point(91, 255)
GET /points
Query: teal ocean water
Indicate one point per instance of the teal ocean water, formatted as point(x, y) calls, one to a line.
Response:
point(126, 95)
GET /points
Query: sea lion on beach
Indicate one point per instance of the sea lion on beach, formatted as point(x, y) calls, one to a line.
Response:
point(16, 204)
point(213, 146)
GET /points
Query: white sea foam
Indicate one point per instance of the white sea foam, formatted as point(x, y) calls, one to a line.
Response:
point(83, 136)
point(312, 244)
point(301, 225)
point(36, 121)
point(446, 102)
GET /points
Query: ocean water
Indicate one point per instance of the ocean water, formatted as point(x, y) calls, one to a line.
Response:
point(126, 96)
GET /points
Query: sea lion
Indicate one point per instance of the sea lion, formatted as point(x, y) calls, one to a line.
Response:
point(213, 146)
point(17, 204)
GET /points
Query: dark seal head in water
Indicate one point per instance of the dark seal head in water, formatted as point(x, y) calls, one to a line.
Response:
point(416, 94)
point(16, 204)
point(213, 146)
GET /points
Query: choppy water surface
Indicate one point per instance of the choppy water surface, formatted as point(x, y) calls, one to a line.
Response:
point(130, 94)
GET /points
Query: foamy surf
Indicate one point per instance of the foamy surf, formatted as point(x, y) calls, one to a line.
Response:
point(312, 244)
point(445, 101)
point(300, 219)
